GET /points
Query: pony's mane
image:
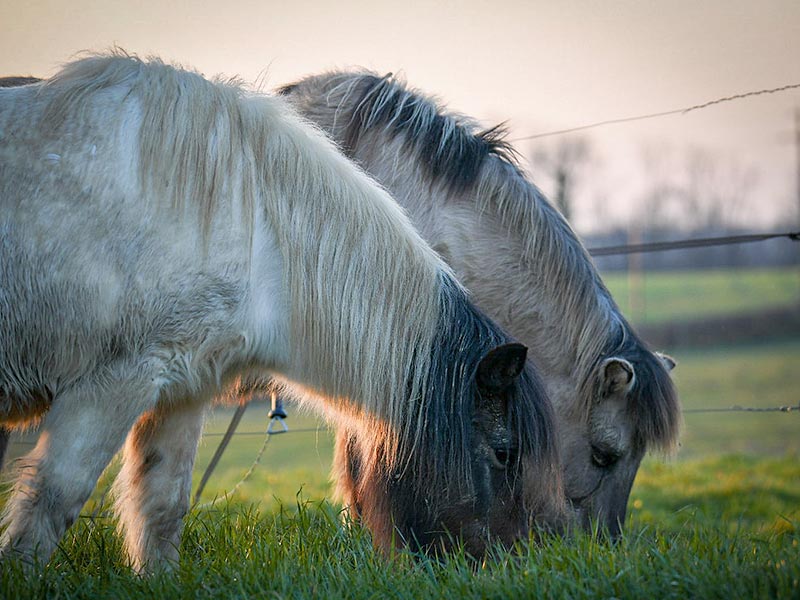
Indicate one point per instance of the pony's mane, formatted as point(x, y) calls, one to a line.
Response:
point(481, 164)
point(450, 146)
point(208, 149)
point(468, 335)
point(17, 80)
point(368, 293)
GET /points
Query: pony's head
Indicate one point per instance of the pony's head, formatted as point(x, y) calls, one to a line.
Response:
point(629, 406)
point(476, 466)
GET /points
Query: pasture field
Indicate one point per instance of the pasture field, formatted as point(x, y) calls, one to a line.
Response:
point(678, 295)
point(721, 519)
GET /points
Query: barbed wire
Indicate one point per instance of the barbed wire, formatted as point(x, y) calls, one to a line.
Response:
point(268, 435)
point(677, 111)
point(735, 408)
point(692, 243)
point(241, 482)
point(101, 512)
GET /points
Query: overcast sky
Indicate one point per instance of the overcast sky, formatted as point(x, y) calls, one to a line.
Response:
point(538, 65)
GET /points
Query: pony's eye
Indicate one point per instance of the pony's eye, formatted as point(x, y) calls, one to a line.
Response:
point(603, 458)
point(504, 457)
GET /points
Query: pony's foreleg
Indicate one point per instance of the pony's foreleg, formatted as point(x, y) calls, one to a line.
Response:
point(154, 486)
point(79, 436)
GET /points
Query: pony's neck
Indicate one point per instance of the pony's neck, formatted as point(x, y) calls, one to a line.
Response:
point(552, 298)
point(356, 273)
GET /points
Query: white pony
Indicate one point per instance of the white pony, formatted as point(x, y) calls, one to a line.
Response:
point(162, 236)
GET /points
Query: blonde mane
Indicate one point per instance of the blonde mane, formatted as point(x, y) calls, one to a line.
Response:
point(357, 272)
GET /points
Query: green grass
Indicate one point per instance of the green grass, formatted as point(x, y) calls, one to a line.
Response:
point(729, 493)
point(237, 551)
point(678, 295)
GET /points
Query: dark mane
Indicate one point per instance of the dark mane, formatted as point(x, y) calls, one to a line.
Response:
point(17, 80)
point(443, 454)
point(450, 146)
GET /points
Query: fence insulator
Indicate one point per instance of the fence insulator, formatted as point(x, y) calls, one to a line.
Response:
point(277, 414)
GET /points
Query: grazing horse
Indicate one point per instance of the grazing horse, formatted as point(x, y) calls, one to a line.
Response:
point(523, 265)
point(163, 238)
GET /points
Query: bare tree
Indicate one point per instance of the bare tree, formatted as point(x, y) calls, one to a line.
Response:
point(695, 191)
point(659, 203)
point(716, 192)
point(563, 163)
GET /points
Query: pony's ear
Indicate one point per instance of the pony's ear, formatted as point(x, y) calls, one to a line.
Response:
point(666, 360)
point(616, 376)
point(501, 367)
